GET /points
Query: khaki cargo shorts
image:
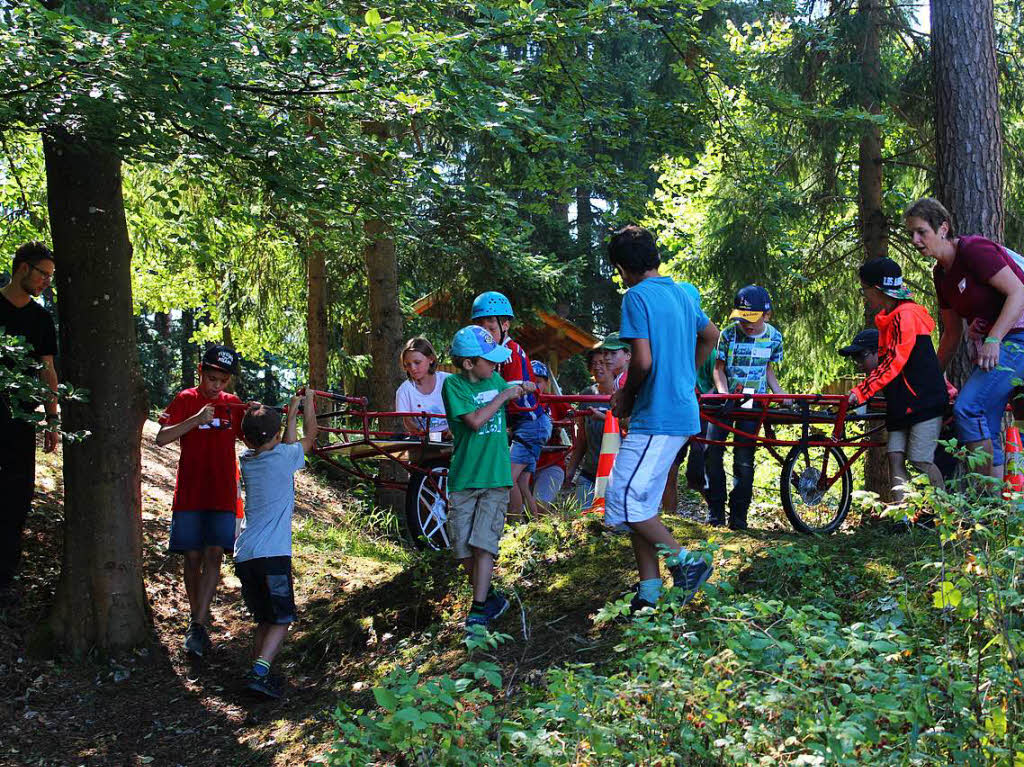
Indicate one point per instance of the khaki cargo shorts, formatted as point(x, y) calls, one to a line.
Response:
point(917, 442)
point(476, 519)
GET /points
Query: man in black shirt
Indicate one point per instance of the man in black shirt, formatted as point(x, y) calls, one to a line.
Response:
point(31, 273)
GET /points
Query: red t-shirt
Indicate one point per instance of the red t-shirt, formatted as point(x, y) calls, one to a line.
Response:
point(554, 457)
point(206, 469)
point(964, 286)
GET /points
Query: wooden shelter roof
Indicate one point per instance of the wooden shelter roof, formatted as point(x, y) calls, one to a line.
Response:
point(553, 338)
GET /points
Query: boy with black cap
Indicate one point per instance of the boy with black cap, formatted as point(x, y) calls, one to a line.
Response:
point(863, 350)
point(207, 419)
point(747, 351)
point(908, 373)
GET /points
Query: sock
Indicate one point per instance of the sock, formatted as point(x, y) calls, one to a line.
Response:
point(649, 590)
point(477, 608)
point(261, 667)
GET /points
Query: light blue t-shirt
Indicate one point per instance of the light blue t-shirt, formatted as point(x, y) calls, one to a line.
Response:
point(663, 312)
point(746, 357)
point(269, 501)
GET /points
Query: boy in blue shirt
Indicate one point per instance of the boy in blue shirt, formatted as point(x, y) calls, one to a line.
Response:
point(668, 335)
point(747, 351)
point(263, 551)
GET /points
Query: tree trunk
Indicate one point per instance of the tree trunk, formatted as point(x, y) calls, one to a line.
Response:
point(316, 316)
point(874, 226)
point(585, 245)
point(189, 351)
point(100, 601)
point(968, 127)
point(385, 312)
point(162, 323)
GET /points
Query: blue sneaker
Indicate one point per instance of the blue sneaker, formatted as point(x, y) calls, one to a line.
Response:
point(496, 605)
point(476, 619)
point(689, 577)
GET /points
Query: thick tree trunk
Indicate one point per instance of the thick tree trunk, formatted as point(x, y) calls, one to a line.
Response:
point(874, 226)
point(585, 245)
point(968, 127)
point(385, 311)
point(316, 316)
point(100, 601)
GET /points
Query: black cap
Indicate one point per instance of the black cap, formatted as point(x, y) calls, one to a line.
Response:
point(886, 275)
point(222, 358)
point(864, 341)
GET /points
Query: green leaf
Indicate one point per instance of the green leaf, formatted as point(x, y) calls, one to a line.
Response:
point(947, 595)
point(372, 17)
point(385, 698)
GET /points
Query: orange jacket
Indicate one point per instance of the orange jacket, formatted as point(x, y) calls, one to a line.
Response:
point(908, 370)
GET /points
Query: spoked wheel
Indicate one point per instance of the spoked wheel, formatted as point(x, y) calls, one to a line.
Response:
point(426, 506)
point(815, 488)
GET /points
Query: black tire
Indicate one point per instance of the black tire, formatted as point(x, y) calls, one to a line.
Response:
point(426, 509)
point(809, 509)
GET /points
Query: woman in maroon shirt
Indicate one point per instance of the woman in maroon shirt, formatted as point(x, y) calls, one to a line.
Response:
point(978, 282)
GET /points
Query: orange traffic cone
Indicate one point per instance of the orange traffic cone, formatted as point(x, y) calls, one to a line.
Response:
point(610, 441)
point(1013, 462)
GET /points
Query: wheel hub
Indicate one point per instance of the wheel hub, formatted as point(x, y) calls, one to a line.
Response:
point(807, 486)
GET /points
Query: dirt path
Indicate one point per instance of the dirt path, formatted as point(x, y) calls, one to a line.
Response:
point(360, 615)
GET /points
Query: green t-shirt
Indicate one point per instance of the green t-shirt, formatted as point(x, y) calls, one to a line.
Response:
point(706, 374)
point(481, 457)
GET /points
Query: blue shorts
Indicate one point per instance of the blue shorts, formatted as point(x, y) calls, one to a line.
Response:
point(982, 401)
point(267, 589)
point(528, 438)
point(197, 530)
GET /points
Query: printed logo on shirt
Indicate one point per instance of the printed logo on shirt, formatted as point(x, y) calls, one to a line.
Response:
point(496, 422)
point(962, 285)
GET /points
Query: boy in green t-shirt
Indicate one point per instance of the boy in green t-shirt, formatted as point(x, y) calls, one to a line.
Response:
point(480, 473)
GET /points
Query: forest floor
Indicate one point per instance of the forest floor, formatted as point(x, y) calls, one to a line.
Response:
point(367, 604)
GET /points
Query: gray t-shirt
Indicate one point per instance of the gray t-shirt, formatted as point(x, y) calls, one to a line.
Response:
point(269, 501)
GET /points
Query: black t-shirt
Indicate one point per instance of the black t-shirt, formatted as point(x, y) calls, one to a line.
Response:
point(33, 323)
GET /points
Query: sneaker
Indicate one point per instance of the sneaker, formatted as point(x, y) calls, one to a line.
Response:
point(196, 639)
point(689, 577)
point(496, 605)
point(476, 619)
point(636, 604)
point(268, 686)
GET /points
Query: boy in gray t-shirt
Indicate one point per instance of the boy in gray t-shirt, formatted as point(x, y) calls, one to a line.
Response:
point(263, 551)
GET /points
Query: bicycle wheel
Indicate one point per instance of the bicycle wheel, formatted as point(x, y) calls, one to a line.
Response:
point(816, 493)
point(426, 506)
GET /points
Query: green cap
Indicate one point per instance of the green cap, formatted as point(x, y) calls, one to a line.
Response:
point(612, 343)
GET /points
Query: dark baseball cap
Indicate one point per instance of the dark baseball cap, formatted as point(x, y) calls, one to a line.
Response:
point(864, 341)
point(750, 303)
point(222, 358)
point(886, 275)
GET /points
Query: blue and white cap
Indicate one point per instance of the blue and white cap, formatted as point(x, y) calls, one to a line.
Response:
point(540, 369)
point(474, 341)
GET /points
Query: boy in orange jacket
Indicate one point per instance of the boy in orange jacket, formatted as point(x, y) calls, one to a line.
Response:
point(908, 373)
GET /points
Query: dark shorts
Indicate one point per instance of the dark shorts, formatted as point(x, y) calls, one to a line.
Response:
point(197, 530)
point(267, 588)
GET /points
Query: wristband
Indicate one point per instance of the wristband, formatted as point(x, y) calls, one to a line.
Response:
point(992, 340)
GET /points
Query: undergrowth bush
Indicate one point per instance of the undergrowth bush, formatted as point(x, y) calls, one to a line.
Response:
point(815, 659)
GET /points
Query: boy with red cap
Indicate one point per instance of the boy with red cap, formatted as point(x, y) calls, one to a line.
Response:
point(207, 419)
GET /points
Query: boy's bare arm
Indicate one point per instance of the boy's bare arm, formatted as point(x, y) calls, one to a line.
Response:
point(773, 382)
point(721, 382)
point(640, 364)
point(483, 414)
point(168, 434)
point(290, 430)
point(309, 424)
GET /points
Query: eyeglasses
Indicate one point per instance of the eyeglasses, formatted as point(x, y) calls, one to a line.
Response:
point(48, 276)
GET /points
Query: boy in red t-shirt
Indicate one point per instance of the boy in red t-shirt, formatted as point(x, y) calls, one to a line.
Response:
point(207, 420)
point(528, 424)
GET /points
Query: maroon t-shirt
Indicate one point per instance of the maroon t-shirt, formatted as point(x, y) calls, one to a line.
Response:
point(965, 288)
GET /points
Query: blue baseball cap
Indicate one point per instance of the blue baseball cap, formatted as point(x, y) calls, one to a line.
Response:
point(474, 341)
point(539, 369)
point(751, 302)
